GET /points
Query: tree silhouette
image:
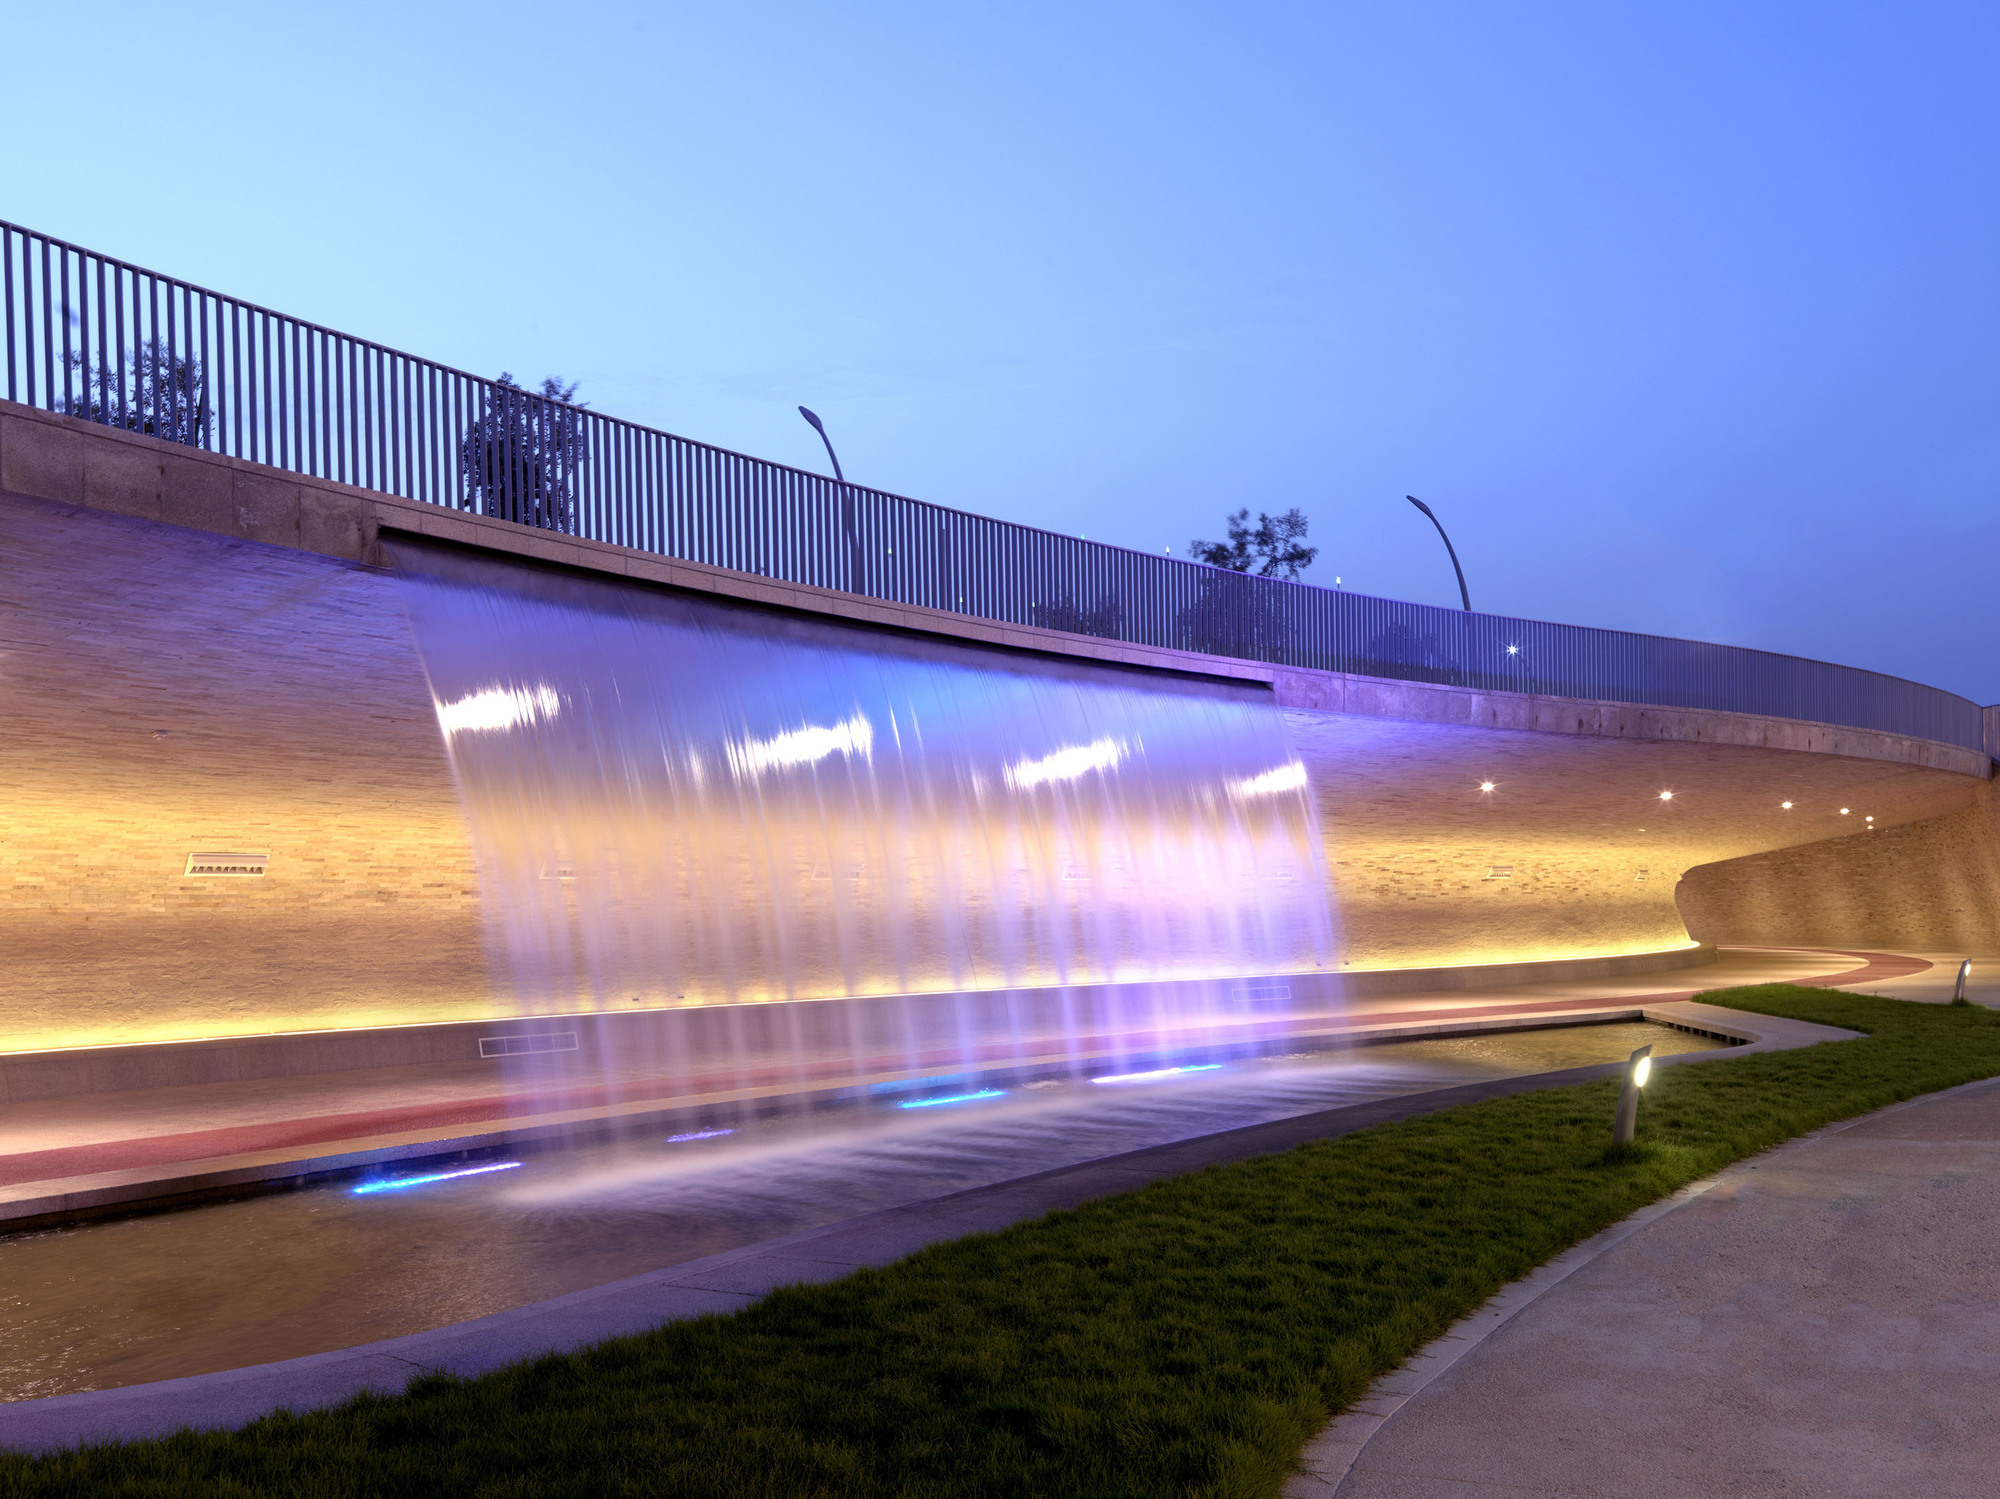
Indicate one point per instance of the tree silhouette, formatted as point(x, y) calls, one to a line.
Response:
point(1105, 618)
point(524, 453)
point(1276, 546)
point(150, 390)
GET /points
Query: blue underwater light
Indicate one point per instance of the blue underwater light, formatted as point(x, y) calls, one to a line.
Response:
point(439, 1176)
point(700, 1134)
point(931, 1103)
point(1156, 1074)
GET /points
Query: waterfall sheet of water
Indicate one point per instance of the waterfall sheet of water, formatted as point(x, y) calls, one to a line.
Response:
point(681, 804)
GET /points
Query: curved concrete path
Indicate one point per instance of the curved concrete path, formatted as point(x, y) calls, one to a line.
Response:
point(1823, 1320)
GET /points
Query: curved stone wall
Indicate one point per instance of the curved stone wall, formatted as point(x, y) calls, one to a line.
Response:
point(1927, 886)
point(170, 691)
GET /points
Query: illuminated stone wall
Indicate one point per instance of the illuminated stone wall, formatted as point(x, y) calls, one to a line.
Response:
point(1928, 886)
point(168, 691)
point(1574, 851)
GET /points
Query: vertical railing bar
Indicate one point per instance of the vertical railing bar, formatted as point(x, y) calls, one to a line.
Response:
point(205, 408)
point(459, 483)
point(48, 329)
point(338, 382)
point(103, 373)
point(171, 372)
point(7, 276)
point(118, 342)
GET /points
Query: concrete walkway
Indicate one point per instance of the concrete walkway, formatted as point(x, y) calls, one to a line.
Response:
point(1822, 1320)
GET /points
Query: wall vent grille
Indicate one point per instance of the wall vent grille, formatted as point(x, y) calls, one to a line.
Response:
point(226, 866)
point(521, 1046)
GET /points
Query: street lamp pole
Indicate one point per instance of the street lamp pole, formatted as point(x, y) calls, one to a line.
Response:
point(820, 427)
point(856, 573)
point(1463, 597)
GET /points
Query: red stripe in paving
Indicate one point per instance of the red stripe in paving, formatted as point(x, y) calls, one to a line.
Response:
point(245, 1139)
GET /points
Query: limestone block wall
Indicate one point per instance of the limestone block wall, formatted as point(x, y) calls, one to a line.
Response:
point(1928, 886)
point(164, 692)
point(198, 654)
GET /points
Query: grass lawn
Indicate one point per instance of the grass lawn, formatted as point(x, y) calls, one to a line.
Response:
point(1185, 1339)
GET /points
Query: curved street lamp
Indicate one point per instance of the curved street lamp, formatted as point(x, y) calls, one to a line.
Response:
point(820, 427)
point(856, 567)
point(1463, 597)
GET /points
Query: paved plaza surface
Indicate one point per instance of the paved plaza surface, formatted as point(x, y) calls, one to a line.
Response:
point(1825, 1320)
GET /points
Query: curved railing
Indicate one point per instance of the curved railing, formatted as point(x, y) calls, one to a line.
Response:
point(104, 341)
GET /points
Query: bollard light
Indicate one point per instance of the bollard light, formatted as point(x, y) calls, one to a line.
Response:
point(1964, 976)
point(1638, 1067)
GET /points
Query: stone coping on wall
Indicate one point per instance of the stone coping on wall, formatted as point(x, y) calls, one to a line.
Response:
point(71, 462)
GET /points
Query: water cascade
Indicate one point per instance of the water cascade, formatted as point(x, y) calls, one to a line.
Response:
point(812, 854)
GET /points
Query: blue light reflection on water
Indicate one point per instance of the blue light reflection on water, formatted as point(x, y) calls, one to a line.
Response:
point(437, 1176)
point(931, 1103)
point(1157, 1074)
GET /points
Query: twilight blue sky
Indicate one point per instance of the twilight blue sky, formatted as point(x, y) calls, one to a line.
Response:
point(1685, 317)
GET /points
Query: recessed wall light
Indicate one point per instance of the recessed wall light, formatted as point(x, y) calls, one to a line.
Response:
point(1843, 811)
point(1786, 805)
point(1485, 785)
point(1666, 796)
point(1500, 871)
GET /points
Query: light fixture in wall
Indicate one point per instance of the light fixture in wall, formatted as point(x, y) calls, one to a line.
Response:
point(1485, 785)
point(226, 866)
point(1785, 806)
point(1844, 811)
point(1640, 877)
point(1867, 819)
point(1666, 796)
point(1500, 871)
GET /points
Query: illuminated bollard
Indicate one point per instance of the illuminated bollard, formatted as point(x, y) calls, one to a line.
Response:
point(1638, 1067)
point(1964, 975)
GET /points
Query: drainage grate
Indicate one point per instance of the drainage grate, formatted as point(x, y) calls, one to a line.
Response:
point(226, 866)
point(520, 1046)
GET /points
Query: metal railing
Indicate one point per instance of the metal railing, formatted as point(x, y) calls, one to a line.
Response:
point(108, 342)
